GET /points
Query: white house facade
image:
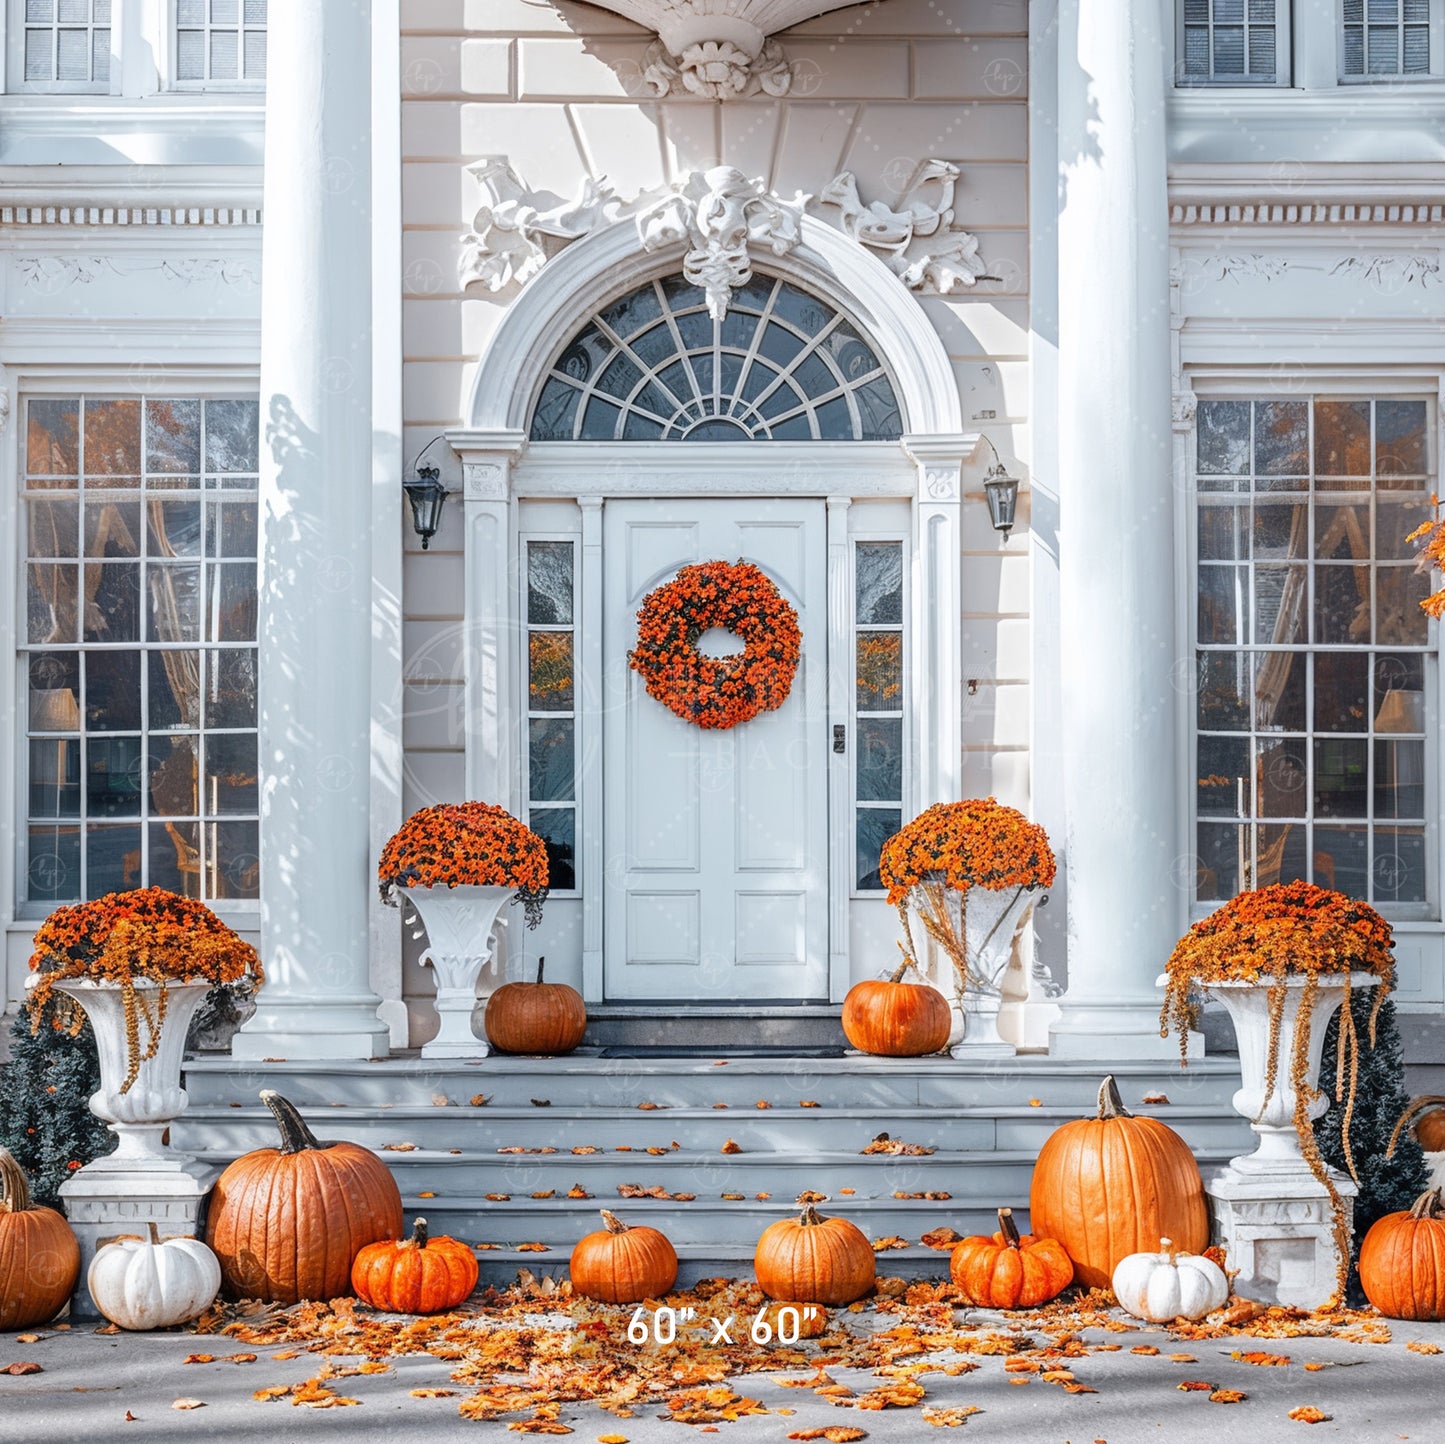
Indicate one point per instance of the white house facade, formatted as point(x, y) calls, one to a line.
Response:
point(658, 283)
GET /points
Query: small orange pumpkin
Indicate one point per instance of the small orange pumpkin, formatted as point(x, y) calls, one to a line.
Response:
point(894, 1019)
point(1113, 1185)
point(535, 1017)
point(1009, 1270)
point(416, 1275)
point(623, 1265)
point(811, 1259)
point(1427, 1114)
point(1402, 1261)
point(287, 1223)
point(39, 1256)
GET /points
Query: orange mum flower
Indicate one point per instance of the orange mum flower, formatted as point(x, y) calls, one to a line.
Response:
point(473, 844)
point(149, 933)
point(717, 692)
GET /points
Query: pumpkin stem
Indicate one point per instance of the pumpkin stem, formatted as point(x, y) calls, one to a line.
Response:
point(1166, 1245)
point(419, 1233)
point(1111, 1105)
point(1414, 1107)
point(810, 1217)
point(897, 975)
point(541, 963)
point(14, 1186)
point(1428, 1205)
point(1008, 1227)
point(614, 1224)
point(296, 1137)
point(155, 1233)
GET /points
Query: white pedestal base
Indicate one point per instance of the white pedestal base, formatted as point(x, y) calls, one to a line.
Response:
point(1277, 1229)
point(981, 1037)
point(106, 1198)
point(1108, 1031)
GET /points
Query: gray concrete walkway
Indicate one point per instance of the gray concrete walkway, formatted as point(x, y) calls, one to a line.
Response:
point(123, 1387)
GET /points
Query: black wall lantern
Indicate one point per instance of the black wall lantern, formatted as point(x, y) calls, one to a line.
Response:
point(1002, 492)
point(426, 494)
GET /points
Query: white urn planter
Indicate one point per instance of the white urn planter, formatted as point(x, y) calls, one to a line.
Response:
point(1272, 1115)
point(140, 1115)
point(1274, 1218)
point(460, 925)
point(992, 920)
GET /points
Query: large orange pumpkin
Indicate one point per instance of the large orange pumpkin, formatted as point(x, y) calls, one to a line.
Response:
point(39, 1257)
point(1427, 1114)
point(286, 1223)
point(416, 1275)
point(1009, 1270)
point(1113, 1185)
point(1402, 1261)
point(811, 1259)
point(623, 1265)
point(535, 1017)
point(896, 1019)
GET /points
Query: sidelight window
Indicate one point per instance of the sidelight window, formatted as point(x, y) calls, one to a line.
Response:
point(879, 691)
point(552, 705)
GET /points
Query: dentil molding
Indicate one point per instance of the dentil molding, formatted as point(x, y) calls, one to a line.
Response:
point(718, 49)
point(130, 217)
point(723, 217)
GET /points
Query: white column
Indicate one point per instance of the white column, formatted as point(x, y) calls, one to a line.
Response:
point(317, 871)
point(1116, 526)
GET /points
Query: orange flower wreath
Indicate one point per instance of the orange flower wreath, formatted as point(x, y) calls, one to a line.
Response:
point(717, 692)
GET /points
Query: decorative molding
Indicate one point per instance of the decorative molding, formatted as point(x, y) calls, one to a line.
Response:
point(130, 217)
point(53, 274)
point(484, 481)
point(950, 256)
point(721, 215)
point(717, 70)
point(1183, 407)
point(4, 407)
point(684, 25)
point(1252, 213)
point(1394, 270)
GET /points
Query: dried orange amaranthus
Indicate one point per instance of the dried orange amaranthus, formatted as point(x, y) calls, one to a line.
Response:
point(472, 844)
point(950, 848)
point(149, 934)
point(1274, 932)
point(717, 692)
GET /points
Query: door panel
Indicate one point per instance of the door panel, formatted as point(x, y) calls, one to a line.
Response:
point(716, 841)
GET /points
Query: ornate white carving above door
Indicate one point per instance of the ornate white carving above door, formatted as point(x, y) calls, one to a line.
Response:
point(721, 214)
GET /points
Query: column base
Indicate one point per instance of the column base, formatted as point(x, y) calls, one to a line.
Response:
point(316, 1027)
point(967, 1051)
point(102, 1203)
point(1107, 1031)
point(1277, 1229)
point(450, 1048)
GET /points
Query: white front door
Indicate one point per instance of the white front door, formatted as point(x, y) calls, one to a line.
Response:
point(716, 842)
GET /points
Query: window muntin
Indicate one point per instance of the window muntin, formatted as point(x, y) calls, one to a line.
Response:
point(1388, 38)
point(780, 366)
point(65, 44)
point(552, 705)
point(1316, 675)
point(220, 42)
point(1233, 42)
point(139, 648)
point(878, 722)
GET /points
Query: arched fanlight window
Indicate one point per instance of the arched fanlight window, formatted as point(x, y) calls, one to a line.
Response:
point(780, 366)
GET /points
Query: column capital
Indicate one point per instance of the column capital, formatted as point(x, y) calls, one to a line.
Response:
point(487, 459)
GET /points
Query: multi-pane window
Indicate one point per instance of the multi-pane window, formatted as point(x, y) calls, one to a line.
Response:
point(1386, 37)
point(139, 649)
point(655, 366)
point(1316, 680)
point(1231, 42)
point(878, 698)
point(67, 44)
point(552, 705)
point(220, 41)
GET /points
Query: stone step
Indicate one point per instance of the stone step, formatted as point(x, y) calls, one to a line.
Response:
point(781, 1129)
point(589, 1081)
point(765, 1028)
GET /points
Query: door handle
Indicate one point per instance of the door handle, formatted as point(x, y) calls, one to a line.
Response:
point(840, 738)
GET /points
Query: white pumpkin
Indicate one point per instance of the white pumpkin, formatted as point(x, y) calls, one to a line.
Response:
point(151, 1285)
point(1168, 1285)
